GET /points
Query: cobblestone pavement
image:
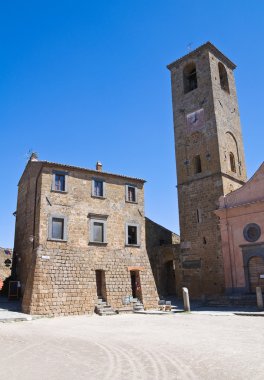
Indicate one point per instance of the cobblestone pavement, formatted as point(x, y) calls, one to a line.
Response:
point(181, 346)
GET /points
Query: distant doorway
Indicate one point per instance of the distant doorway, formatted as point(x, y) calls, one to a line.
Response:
point(136, 285)
point(169, 278)
point(100, 284)
point(256, 273)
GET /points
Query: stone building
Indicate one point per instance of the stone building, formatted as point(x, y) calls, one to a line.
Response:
point(241, 215)
point(209, 158)
point(5, 264)
point(80, 236)
point(163, 247)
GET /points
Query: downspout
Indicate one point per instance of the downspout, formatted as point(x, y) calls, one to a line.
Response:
point(35, 206)
point(229, 245)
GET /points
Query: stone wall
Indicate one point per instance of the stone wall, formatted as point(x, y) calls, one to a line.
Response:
point(61, 279)
point(206, 124)
point(163, 250)
point(5, 264)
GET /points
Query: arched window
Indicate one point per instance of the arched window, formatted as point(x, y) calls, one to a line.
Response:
point(223, 77)
point(189, 77)
point(197, 164)
point(232, 162)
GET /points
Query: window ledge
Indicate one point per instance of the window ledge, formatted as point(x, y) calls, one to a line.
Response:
point(190, 91)
point(131, 202)
point(59, 191)
point(132, 245)
point(58, 240)
point(98, 243)
point(98, 196)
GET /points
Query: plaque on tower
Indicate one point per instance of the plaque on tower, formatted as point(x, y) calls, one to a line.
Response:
point(195, 120)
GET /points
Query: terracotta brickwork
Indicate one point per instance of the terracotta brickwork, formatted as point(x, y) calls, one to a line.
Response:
point(210, 161)
point(58, 277)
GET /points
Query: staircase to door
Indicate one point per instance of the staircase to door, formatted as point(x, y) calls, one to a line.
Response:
point(102, 308)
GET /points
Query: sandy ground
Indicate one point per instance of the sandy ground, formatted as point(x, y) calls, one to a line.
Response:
point(182, 346)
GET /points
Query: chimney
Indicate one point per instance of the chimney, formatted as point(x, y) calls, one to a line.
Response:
point(99, 166)
point(33, 157)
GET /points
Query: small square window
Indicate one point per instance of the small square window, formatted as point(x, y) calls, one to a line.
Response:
point(132, 234)
point(131, 194)
point(57, 228)
point(98, 231)
point(98, 188)
point(59, 181)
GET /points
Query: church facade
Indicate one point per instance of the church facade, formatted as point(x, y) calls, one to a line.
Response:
point(241, 215)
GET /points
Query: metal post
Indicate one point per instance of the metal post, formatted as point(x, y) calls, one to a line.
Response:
point(186, 301)
point(259, 297)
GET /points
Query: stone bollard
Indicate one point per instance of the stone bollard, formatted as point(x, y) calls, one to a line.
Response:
point(259, 297)
point(186, 301)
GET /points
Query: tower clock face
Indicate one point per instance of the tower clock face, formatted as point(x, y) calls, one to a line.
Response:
point(195, 120)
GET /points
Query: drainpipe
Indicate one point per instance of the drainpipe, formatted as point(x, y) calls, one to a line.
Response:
point(229, 245)
point(35, 207)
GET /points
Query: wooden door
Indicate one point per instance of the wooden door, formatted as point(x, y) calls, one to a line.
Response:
point(256, 273)
point(136, 285)
point(98, 274)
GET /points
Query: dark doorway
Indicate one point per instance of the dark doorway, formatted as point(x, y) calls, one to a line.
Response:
point(170, 278)
point(256, 273)
point(136, 285)
point(100, 284)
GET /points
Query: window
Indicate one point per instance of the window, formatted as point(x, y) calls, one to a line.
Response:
point(98, 228)
point(197, 164)
point(223, 77)
point(59, 181)
point(57, 228)
point(189, 78)
point(132, 234)
point(131, 193)
point(199, 215)
point(98, 232)
point(252, 232)
point(232, 162)
point(98, 188)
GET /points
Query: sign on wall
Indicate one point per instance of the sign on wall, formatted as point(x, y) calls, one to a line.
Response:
point(195, 120)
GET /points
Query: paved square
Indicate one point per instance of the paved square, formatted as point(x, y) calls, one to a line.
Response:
point(182, 346)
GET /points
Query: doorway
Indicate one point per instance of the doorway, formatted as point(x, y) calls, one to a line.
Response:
point(100, 284)
point(256, 273)
point(136, 285)
point(169, 278)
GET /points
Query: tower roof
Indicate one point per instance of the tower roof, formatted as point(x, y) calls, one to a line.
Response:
point(207, 46)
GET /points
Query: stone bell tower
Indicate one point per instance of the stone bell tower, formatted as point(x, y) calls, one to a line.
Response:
point(210, 161)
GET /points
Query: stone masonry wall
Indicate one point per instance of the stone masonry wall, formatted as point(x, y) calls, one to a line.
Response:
point(216, 133)
point(27, 214)
point(162, 247)
point(62, 277)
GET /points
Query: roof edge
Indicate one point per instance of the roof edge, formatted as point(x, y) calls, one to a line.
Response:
point(157, 224)
point(92, 171)
point(210, 47)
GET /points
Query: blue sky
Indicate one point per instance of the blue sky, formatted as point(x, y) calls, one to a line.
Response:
point(82, 81)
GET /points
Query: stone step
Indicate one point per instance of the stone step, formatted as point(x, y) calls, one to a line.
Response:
point(125, 310)
point(107, 314)
point(100, 306)
point(138, 306)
